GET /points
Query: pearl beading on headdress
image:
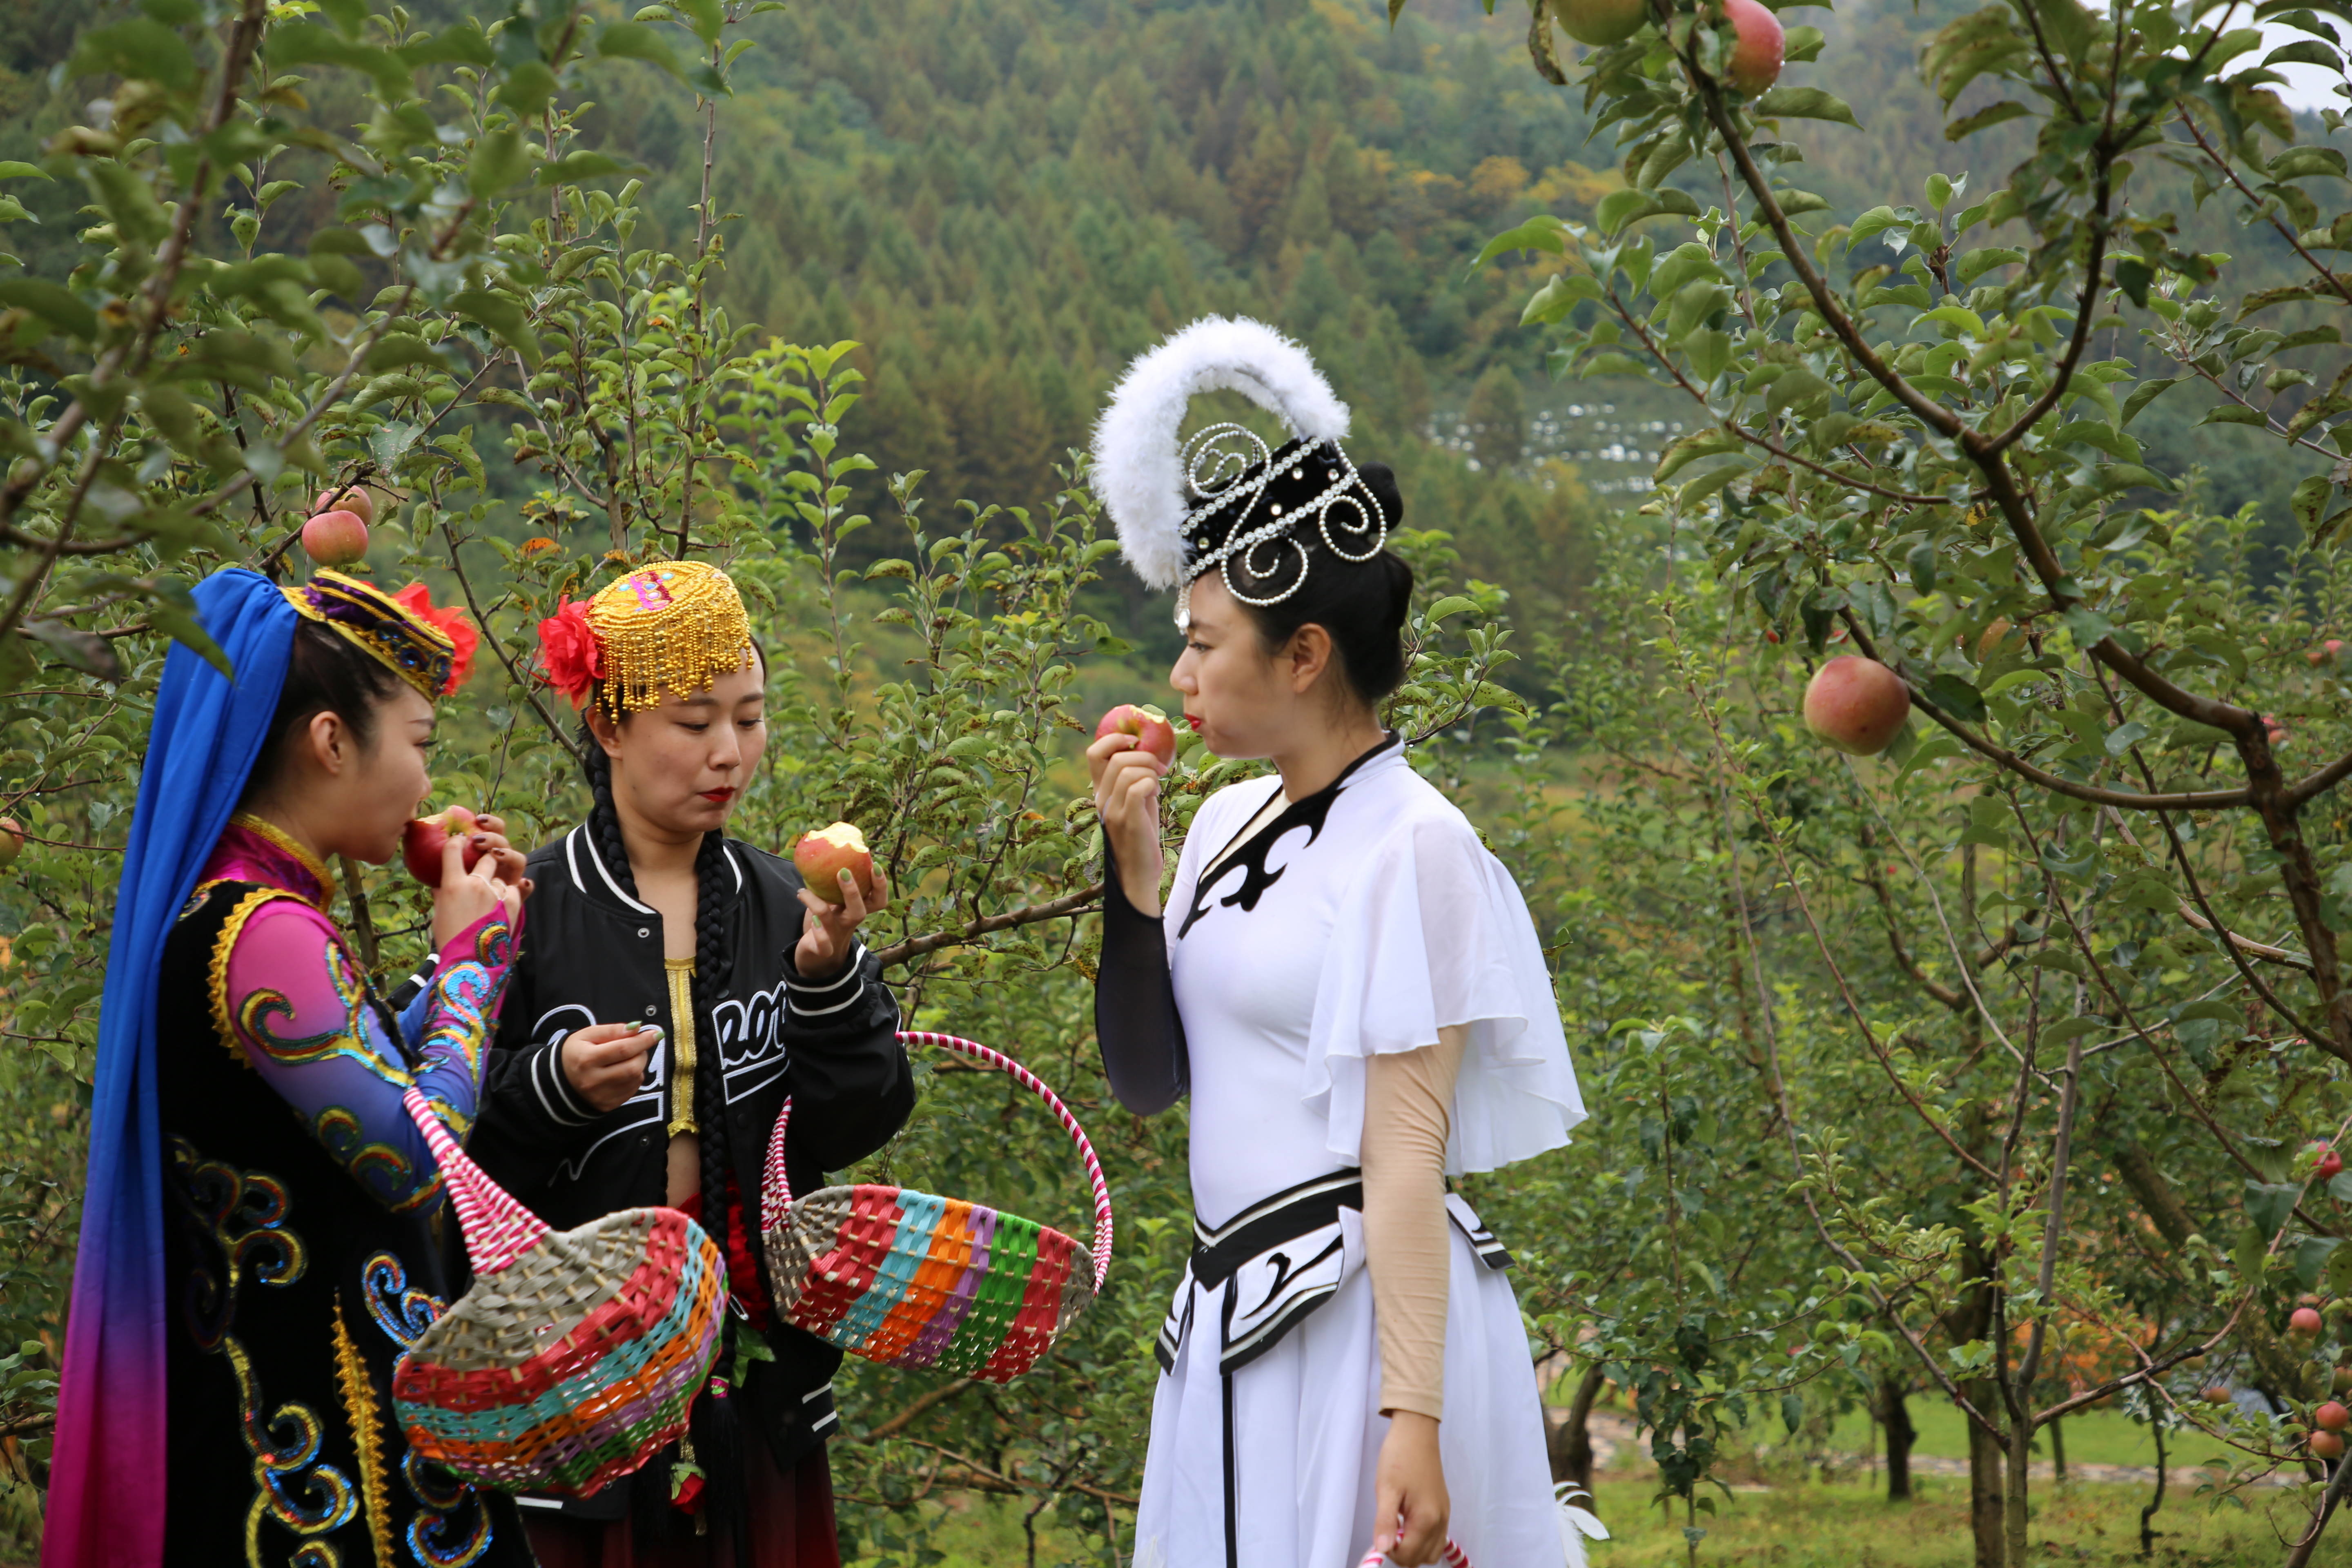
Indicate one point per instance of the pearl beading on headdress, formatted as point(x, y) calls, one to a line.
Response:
point(1227, 468)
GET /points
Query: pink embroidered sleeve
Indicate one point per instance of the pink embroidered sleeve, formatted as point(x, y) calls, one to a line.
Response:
point(288, 998)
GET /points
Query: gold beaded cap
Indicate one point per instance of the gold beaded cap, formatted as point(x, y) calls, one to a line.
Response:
point(673, 625)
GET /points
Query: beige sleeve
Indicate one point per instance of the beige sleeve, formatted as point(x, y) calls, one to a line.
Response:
point(1408, 1103)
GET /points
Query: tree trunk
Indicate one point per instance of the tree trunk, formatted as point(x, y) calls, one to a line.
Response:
point(2147, 1514)
point(2057, 1451)
point(1895, 1413)
point(2020, 1465)
point(1571, 1442)
point(1986, 1521)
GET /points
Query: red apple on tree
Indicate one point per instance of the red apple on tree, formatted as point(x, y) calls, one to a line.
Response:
point(423, 840)
point(335, 538)
point(12, 840)
point(351, 499)
point(822, 855)
point(2342, 1380)
point(2333, 1416)
point(2305, 1323)
point(1602, 22)
point(2216, 1395)
point(2330, 1163)
point(1856, 704)
point(2326, 1445)
point(1760, 45)
point(1148, 724)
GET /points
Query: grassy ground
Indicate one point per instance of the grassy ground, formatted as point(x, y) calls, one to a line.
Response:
point(1853, 1526)
point(2101, 1437)
point(1809, 1525)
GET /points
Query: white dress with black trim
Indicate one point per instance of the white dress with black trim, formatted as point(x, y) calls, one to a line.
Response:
point(1355, 922)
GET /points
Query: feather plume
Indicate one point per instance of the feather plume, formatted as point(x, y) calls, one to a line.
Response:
point(1137, 470)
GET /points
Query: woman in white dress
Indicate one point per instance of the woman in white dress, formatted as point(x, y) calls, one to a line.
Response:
point(1348, 987)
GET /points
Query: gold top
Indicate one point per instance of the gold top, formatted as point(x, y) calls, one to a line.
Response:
point(284, 840)
point(670, 625)
point(679, 973)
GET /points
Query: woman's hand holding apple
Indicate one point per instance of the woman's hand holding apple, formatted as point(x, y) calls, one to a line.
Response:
point(481, 874)
point(1127, 798)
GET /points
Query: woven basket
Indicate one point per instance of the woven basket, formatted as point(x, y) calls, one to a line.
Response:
point(907, 1279)
point(573, 1359)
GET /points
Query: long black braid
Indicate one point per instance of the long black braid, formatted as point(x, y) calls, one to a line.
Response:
point(716, 1431)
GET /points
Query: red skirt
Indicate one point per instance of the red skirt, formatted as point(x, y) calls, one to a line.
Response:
point(791, 1526)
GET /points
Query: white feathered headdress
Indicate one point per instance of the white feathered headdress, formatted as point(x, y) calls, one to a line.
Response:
point(1142, 470)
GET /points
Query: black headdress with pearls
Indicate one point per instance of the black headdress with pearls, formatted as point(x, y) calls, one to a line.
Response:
point(1225, 500)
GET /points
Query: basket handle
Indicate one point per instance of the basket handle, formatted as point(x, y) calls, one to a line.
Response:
point(1454, 1556)
point(497, 1229)
point(776, 1188)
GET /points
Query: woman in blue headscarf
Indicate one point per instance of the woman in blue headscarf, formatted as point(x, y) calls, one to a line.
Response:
point(258, 1242)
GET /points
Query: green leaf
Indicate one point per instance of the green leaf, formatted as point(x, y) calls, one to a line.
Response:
point(1542, 232)
point(2269, 1205)
point(1975, 264)
point(1968, 125)
point(52, 302)
point(140, 48)
point(499, 161)
point(309, 45)
point(1957, 697)
point(2304, 162)
point(1802, 103)
point(12, 169)
point(2123, 737)
point(1796, 203)
point(583, 165)
point(2233, 413)
point(2132, 276)
point(1690, 448)
point(2309, 497)
point(506, 319)
point(1452, 604)
point(637, 41)
point(458, 47)
point(2145, 392)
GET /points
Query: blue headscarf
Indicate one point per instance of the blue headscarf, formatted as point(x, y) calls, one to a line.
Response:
point(207, 733)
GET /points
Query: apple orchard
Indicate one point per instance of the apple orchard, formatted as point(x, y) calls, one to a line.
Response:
point(1932, 805)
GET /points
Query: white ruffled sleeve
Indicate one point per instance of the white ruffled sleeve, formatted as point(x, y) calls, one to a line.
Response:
point(1436, 933)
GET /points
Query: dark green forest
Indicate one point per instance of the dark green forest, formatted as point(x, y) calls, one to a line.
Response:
point(1005, 202)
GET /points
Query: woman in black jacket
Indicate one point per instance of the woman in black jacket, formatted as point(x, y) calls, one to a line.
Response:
point(673, 988)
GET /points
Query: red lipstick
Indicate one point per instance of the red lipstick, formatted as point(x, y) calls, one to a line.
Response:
point(718, 796)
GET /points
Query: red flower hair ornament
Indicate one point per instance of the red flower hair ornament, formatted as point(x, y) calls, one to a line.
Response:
point(417, 600)
point(570, 652)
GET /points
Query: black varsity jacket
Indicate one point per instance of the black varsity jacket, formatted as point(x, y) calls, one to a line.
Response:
point(591, 954)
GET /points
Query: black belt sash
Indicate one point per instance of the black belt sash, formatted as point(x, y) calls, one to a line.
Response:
point(1282, 1257)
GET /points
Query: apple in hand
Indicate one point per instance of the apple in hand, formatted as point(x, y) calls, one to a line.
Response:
point(1856, 704)
point(421, 846)
point(350, 499)
point(335, 538)
point(1148, 725)
point(822, 855)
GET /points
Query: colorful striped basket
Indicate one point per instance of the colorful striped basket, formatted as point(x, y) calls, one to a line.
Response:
point(909, 1279)
point(573, 1359)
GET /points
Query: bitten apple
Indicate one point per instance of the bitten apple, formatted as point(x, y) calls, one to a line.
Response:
point(822, 855)
point(1148, 725)
point(350, 498)
point(422, 843)
point(335, 538)
point(1856, 704)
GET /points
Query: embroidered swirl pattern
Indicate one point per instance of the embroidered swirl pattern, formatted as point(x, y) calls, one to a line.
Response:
point(238, 1219)
point(379, 1167)
point(401, 1311)
point(451, 1529)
